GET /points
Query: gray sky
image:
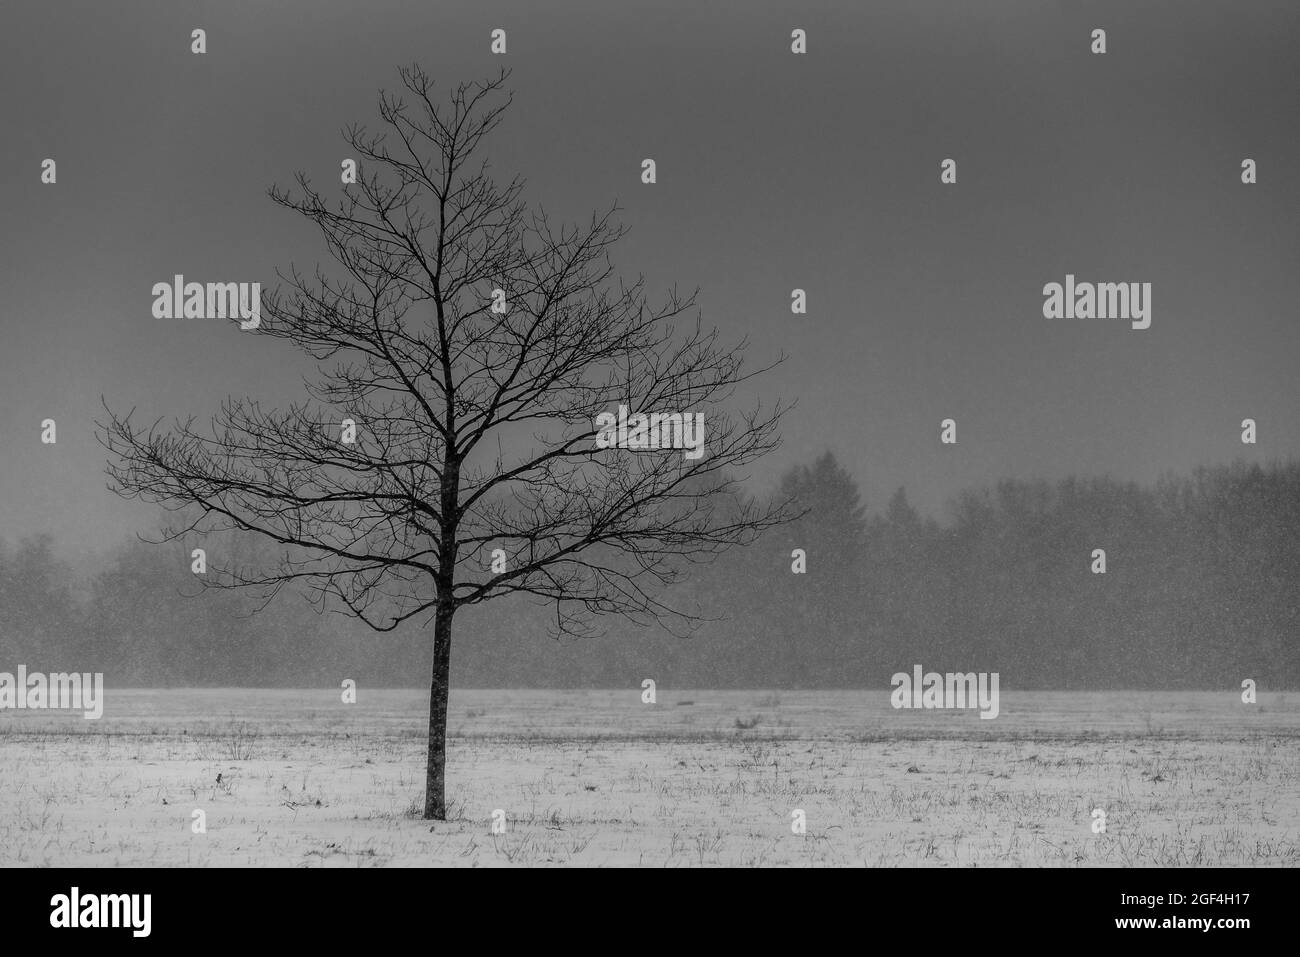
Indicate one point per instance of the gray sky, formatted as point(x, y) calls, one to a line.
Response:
point(775, 171)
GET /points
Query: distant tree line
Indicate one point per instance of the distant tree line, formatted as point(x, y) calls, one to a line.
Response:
point(1201, 589)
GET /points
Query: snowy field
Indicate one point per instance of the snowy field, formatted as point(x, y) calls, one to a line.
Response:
point(706, 778)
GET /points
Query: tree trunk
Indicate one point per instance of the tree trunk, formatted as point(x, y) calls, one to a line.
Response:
point(435, 797)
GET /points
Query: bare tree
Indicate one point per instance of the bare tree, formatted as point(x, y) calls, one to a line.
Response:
point(476, 427)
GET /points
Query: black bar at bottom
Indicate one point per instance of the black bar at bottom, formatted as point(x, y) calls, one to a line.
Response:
point(310, 907)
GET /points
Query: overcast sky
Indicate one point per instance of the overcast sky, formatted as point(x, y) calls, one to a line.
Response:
point(775, 171)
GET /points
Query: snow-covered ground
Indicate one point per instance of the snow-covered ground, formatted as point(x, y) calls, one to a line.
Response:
point(700, 778)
